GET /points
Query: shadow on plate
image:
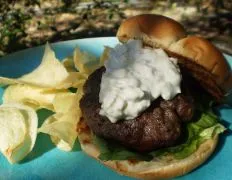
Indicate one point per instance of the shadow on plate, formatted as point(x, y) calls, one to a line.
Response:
point(42, 115)
point(224, 136)
point(221, 141)
point(77, 146)
point(43, 142)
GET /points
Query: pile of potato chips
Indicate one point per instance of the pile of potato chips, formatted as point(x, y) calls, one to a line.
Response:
point(45, 87)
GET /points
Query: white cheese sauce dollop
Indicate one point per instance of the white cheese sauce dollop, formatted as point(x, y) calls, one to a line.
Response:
point(134, 77)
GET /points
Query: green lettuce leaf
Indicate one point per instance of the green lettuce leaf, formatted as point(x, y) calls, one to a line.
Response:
point(114, 151)
point(212, 131)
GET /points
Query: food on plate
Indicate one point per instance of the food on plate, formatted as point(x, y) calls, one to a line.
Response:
point(148, 112)
point(32, 96)
point(18, 125)
point(47, 86)
point(144, 108)
point(48, 74)
point(61, 125)
point(69, 64)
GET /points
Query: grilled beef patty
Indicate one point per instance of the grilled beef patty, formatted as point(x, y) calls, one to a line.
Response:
point(157, 127)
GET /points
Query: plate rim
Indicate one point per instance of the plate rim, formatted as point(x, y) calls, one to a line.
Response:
point(73, 40)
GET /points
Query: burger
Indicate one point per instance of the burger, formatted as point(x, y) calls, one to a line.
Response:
point(148, 112)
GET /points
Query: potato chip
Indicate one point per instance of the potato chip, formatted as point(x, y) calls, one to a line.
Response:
point(32, 96)
point(7, 116)
point(79, 93)
point(46, 87)
point(60, 144)
point(48, 74)
point(62, 127)
point(73, 80)
point(69, 64)
point(7, 81)
point(63, 102)
point(84, 62)
point(105, 55)
point(18, 126)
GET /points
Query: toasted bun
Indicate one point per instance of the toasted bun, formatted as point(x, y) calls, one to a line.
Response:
point(162, 32)
point(205, 54)
point(156, 169)
point(154, 30)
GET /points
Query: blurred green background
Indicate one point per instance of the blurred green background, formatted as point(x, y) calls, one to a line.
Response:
point(28, 23)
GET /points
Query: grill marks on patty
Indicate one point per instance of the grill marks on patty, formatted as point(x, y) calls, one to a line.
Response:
point(157, 127)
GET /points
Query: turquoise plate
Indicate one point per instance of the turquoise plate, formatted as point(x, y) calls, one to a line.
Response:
point(47, 162)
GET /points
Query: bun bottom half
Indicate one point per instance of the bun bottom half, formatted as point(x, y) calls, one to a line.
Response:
point(161, 168)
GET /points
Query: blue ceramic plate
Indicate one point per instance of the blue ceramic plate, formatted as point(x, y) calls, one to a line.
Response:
point(47, 162)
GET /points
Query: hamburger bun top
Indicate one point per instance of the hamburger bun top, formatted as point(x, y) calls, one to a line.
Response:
point(202, 59)
point(154, 30)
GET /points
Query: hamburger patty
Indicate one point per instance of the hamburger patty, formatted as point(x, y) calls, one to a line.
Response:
point(157, 127)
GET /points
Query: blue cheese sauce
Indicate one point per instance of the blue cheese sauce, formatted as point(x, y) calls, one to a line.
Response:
point(134, 77)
